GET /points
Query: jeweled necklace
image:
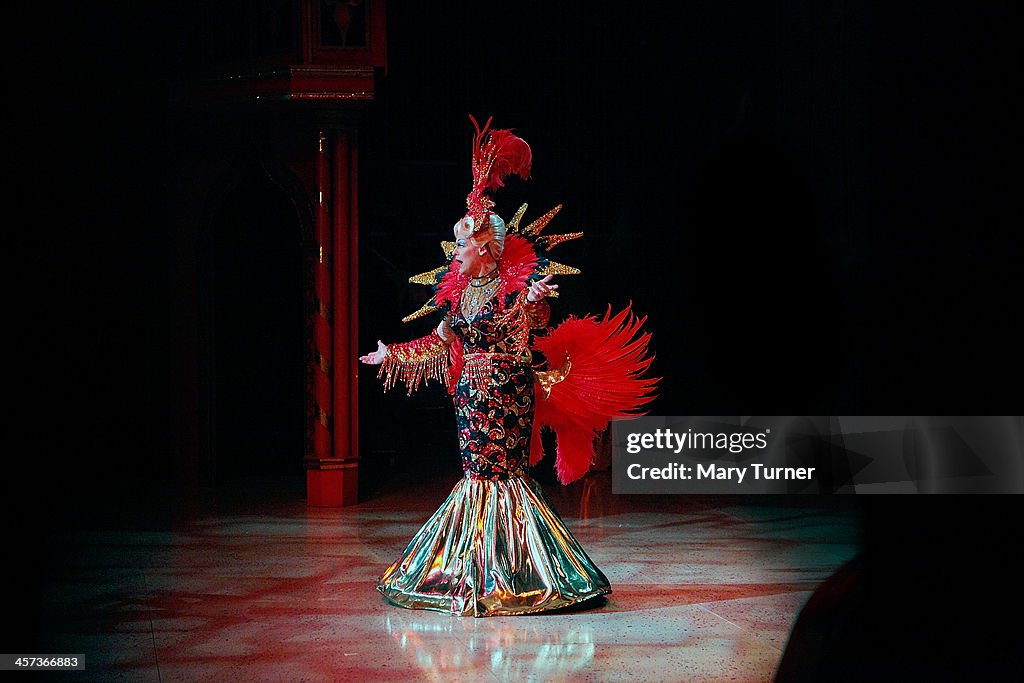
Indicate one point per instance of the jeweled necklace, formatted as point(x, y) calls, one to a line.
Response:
point(479, 292)
point(483, 280)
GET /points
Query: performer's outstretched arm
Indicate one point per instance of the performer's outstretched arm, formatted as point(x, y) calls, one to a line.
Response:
point(414, 361)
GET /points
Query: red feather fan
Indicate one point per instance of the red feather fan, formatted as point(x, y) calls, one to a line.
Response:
point(608, 357)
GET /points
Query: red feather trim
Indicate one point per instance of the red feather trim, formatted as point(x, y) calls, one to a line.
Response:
point(609, 357)
point(574, 453)
point(518, 261)
point(455, 358)
point(449, 289)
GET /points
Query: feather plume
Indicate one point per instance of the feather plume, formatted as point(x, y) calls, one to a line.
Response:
point(511, 155)
point(496, 155)
point(609, 358)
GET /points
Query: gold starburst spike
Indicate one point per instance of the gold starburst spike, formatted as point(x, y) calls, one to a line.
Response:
point(556, 268)
point(535, 227)
point(549, 241)
point(513, 225)
point(429, 277)
point(425, 309)
point(448, 248)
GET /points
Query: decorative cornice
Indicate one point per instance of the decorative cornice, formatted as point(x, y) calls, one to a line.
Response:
point(295, 83)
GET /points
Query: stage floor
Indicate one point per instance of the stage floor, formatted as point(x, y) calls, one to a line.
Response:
point(263, 588)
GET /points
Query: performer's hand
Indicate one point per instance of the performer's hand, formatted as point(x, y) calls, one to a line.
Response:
point(540, 289)
point(377, 357)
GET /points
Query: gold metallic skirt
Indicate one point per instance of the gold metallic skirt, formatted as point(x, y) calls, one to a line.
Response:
point(493, 548)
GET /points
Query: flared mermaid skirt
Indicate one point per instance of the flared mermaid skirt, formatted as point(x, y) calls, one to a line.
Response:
point(494, 547)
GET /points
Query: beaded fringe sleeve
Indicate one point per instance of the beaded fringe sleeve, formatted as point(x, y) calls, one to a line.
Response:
point(416, 361)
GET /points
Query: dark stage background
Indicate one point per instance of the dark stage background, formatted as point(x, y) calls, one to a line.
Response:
point(815, 203)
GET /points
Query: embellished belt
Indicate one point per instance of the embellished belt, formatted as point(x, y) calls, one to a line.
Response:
point(486, 356)
point(477, 367)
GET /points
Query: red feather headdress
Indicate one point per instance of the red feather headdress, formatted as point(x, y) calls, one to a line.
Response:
point(496, 155)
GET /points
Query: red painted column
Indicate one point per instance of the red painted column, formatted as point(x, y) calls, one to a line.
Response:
point(323, 478)
point(346, 291)
point(332, 469)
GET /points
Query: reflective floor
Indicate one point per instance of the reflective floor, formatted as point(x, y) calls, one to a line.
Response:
point(704, 589)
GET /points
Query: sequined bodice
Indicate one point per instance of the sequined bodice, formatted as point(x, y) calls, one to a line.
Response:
point(483, 333)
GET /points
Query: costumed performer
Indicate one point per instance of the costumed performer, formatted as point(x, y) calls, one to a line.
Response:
point(495, 546)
